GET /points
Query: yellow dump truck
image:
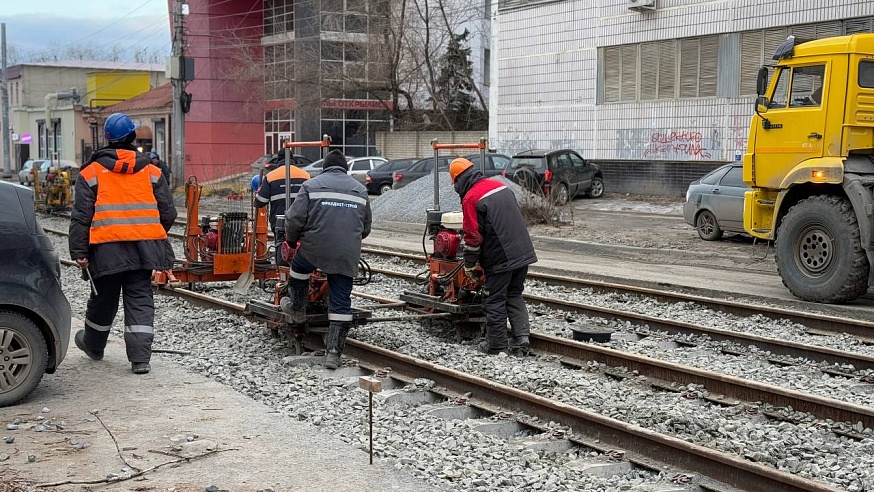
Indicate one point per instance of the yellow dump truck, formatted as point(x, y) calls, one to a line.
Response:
point(810, 164)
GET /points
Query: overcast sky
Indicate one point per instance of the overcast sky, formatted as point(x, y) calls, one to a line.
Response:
point(34, 25)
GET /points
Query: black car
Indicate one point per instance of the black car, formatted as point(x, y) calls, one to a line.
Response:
point(561, 173)
point(34, 313)
point(379, 179)
point(496, 165)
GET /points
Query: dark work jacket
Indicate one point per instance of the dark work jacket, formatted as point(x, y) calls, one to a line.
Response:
point(115, 257)
point(495, 234)
point(330, 217)
point(272, 190)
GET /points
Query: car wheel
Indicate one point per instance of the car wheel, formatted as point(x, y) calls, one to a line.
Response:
point(707, 226)
point(23, 357)
point(384, 188)
point(560, 194)
point(597, 189)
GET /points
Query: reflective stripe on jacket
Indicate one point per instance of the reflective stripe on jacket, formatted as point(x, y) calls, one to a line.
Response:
point(126, 208)
point(272, 190)
point(330, 217)
point(495, 234)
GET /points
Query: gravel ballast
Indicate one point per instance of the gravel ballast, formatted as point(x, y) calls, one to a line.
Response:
point(239, 353)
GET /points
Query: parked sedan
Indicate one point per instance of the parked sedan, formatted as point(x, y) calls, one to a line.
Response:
point(35, 315)
point(379, 179)
point(315, 168)
point(496, 165)
point(25, 175)
point(562, 174)
point(419, 169)
point(715, 203)
point(359, 167)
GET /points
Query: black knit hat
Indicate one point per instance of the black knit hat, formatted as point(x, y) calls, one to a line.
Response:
point(335, 158)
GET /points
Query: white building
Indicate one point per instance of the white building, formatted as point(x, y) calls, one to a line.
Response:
point(658, 96)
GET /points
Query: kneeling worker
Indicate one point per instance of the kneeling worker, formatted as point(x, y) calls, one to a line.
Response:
point(330, 217)
point(495, 236)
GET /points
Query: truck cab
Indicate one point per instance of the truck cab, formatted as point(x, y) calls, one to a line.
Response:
point(810, 166)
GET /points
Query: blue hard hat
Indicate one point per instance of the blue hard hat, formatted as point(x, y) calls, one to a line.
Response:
point(117, 127)
point(154, 155)
point(255, 182)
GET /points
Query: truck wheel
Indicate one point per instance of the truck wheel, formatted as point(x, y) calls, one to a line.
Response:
point(819, 252)
point(23, 357)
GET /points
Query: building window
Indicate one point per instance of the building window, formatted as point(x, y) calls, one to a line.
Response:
point(278, 71)
point(278, 16)
point(277, 129)
point(353, 131)
point(685, 68)
point(43, 139)
point(487, 65)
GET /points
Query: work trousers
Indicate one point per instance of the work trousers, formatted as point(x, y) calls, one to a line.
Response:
point(339, 287)
point(135, 286)
point(504, 300)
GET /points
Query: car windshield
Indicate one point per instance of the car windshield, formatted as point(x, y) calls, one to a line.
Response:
point(44, 167)
point(529, 162)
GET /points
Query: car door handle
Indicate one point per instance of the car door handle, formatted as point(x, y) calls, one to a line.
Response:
point(815, 135)
point(715, 191)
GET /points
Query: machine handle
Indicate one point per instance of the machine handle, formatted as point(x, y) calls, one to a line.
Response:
point(815, 135)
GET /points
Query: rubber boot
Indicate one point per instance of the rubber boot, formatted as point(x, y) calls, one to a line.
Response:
point(296, 304)
point(335, 342)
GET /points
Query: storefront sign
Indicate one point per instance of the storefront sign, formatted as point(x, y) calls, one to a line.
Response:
point(26, 138)
point(362, 104)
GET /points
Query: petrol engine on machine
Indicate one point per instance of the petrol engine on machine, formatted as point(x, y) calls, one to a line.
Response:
point(446, 278)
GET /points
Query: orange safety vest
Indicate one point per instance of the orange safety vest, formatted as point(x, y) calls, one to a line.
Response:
point(126, 208)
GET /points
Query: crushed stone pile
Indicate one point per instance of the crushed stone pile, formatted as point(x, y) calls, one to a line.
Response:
point(409, 203)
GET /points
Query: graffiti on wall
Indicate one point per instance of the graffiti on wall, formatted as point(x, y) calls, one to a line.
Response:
point(672, 144)
point(683, 143)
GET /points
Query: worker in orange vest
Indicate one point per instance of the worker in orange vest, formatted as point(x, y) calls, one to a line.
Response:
point(118, 232)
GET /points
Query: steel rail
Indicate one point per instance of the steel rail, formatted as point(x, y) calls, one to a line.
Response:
point(721, 384)
point(776, 346)
point(815, 321)
point(723, 468)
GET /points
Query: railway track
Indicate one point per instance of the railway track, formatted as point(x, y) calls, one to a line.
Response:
point(726, 387)
point(639, 446)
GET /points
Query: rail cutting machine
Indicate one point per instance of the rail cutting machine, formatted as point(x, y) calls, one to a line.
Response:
point(446, 288)
point(220, 247)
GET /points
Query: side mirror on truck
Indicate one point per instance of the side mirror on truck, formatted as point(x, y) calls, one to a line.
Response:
point(762, 81)
point(762, 104)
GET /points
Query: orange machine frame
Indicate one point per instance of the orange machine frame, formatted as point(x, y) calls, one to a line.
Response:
point(226, 266)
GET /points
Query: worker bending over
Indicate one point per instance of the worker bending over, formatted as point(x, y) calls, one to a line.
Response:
point(495, 236)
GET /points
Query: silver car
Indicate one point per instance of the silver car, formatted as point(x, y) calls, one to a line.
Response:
point(360, 166)
point(715, 203)
point(25, 175)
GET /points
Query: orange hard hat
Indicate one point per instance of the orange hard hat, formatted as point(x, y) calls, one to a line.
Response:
point(458, 166)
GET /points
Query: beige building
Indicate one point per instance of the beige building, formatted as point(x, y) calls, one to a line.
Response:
point(54, 106)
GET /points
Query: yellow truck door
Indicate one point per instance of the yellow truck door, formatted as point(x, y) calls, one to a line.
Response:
point(796, 118)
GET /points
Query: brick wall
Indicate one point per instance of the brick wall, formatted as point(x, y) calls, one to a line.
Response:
point(397, 145)
point(667, 178)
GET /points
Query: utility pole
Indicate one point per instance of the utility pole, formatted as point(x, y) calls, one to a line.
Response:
point(4, 100)
point(177, 74)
